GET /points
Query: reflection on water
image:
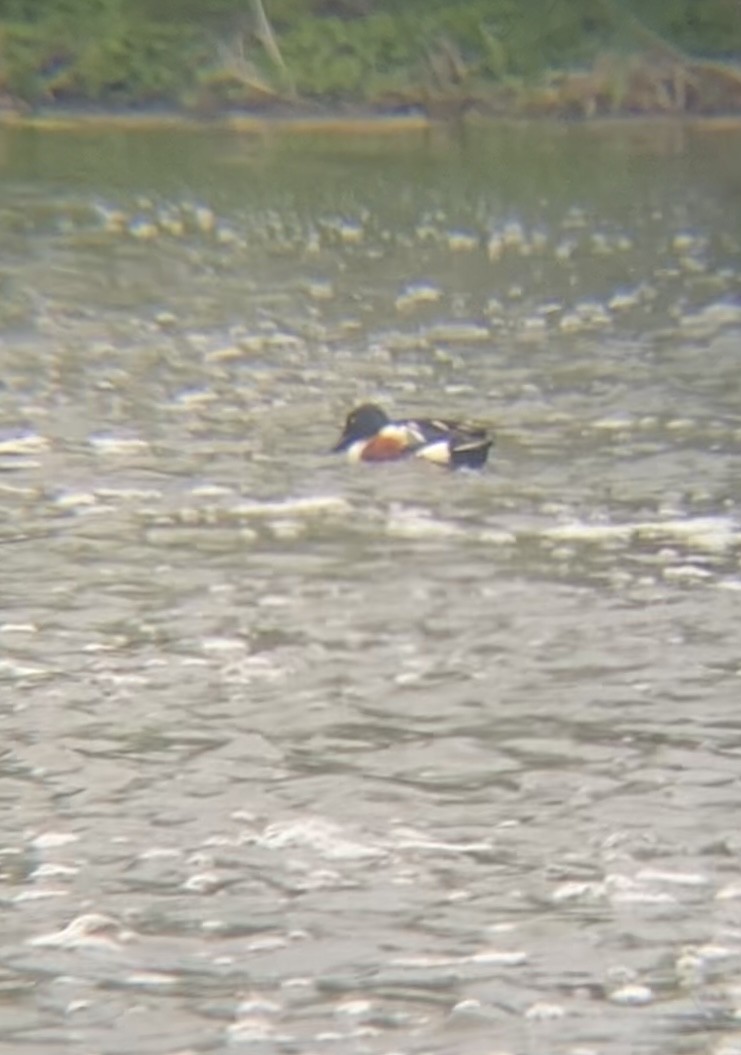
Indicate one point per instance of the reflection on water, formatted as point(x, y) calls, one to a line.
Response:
point(308, 757)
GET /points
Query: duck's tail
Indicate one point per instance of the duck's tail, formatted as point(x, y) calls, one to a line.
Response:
point(470, 453)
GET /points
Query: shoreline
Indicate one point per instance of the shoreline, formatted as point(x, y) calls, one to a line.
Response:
point(356, 65)
point(338, 122)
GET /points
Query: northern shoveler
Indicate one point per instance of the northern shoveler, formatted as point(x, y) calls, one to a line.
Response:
point(370, 435)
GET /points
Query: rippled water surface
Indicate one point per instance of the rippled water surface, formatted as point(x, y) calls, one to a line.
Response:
point(304, 757)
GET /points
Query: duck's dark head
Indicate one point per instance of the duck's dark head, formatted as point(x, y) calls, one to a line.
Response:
point(362, 423)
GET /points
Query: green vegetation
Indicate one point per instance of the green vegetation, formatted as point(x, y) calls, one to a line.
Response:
point(562, 56)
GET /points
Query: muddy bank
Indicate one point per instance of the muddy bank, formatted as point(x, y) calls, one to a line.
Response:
point(357, 123)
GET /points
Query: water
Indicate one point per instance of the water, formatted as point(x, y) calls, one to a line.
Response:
point(304, 757)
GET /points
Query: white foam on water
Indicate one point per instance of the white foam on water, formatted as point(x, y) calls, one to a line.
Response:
point(354, 1007)
point(575, 890)
point(156, 852)
point(47, 893)
point(688, 879)
point(625, 890)
point(28, 443)
point(268, 943)
point(414, 524)
point(712, 534)
point(687, 572)
point(211, 491)
point(730, 584)
point(320, 505)
point(424, 961)
point(150, 980)
point(256, 1004)
point(115, 445)
point(418, 293)
point(77, 500)
point(496, 537)
point(51, 840)
point(616, 424)
point(223, 645)
point(713, 316)
point(92, 930)
point(147, 494)
point(50, 870)
point(491, 956)
point(729, 892)
point(543, 1012)
point(408, 838)
point(458, 333)
point(203, 883)
point(11, 669)
point(500, 957)
point(707, 535)
point(632, 995)
point(252, 1029)
point(322, 836)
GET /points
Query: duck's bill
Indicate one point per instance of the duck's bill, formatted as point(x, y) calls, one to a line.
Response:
point(342, 444)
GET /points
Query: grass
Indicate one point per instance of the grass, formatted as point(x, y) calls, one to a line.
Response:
point(575, 57)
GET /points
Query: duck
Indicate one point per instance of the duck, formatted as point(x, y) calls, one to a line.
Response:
point(370, 435)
